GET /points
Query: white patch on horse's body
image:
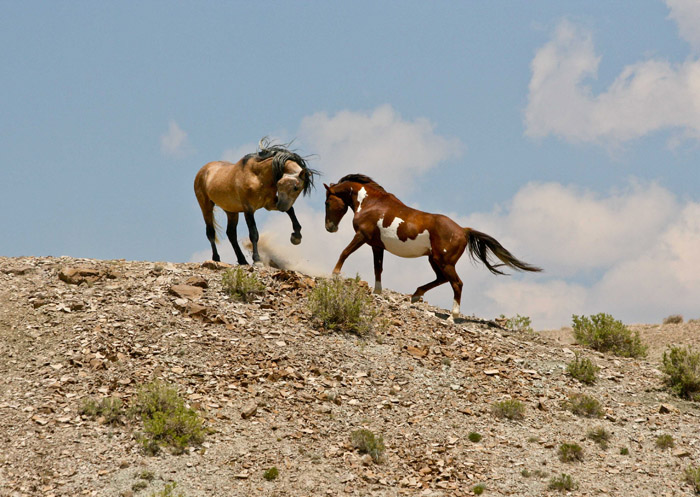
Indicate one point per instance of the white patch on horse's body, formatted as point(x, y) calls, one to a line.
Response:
point(455, 308)
point(416, 247)
point(361, 194)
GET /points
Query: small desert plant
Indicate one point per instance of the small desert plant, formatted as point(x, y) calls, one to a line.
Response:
point(624, 451)
point(599, 435)
point(692, 477)
point(367, 443)
point(673, 319)
point(167, 491)
point(563, 482)
point(664, 442)
point(478, 489)
point(518, 323)
point(474, 437)
point(509, 409)
point(343, 304)
point(570, 452)
point(604, 333)
point(682, 369)
point(241, 284)
point(271, 474)
point(109, 409)
point(166, 419)
point(584, 405)
point(582, 369)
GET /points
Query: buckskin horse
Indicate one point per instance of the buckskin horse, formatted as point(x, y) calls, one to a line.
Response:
point(385, 223)
point(272, 178)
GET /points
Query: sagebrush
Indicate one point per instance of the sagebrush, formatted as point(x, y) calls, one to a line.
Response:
point(368, 443)
point(604, 333)
point(166, 419)
point(584, 405)
point(682, 369)
point(509, 409)
point(343, 304)
point(582, 369)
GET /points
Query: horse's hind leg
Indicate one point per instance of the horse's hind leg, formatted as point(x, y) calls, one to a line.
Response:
point(439, 280)
point(231, 232)
point(296, 235)
point(453, 277)
point(253, 233)
point(207, 207)
point(378, 267)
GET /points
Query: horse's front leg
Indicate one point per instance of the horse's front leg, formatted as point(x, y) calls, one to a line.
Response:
point(253, 234)
point(296, 236)
point(378, 266)
point(231, 232)
point(354, 244)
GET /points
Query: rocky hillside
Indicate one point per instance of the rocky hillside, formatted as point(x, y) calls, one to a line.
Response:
point(275, 390)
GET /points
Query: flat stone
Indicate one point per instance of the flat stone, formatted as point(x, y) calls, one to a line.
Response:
point(186, 291)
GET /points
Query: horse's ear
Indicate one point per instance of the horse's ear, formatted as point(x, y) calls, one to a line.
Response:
point(328, 188)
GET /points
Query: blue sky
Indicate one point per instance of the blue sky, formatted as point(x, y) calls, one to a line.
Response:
point(568, 130)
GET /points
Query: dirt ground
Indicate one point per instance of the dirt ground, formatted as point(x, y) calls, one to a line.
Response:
point(275, 389)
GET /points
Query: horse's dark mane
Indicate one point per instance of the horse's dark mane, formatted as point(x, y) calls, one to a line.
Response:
point(280, 155)
point(361, 178)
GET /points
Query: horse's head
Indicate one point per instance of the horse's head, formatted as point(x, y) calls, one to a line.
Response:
point(336, 208)
point(295, 180)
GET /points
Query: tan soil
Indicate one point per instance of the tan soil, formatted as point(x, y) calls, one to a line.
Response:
point(421, 382)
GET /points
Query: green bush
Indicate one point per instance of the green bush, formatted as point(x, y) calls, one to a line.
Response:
point(582, 369)
point(474, 437)
point(343, 305)
point(167, 491)
point(478, 489)
point(367, 443)
point(241, 284)
point(271, 474)
point(682, 369)
point(570, 452)
point(166, 419)
point(563, 482)
point(604, 333)
point(584, 405)
point(509, 409)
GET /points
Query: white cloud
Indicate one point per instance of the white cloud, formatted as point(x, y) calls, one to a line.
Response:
point(380, 143)
point(686, 13)
point(174, 142)
point(647, 96)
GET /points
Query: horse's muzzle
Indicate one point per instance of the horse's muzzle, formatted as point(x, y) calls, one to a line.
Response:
point(284, 205)
point(331, 227)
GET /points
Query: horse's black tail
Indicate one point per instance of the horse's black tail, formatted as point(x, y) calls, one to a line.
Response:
point(480, 244)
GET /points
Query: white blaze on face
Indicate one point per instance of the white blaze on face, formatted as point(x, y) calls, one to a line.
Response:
point(360, 197)
point(416, 247)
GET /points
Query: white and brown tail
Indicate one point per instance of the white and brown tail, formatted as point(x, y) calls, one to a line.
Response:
point(481, 246)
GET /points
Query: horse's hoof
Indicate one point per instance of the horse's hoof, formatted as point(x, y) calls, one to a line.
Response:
point(414, 299)
point(295, 239)
point(258, 264)
point(216, 258)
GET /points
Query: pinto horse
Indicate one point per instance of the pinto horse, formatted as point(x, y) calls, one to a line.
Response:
point(272, 178)
point(385, 223)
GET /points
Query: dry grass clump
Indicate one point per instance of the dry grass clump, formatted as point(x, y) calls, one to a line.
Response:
point(604, 333)
point(108, 410)
point(584, 405)
point(673, 319)
point(367, 443)
point(242, 284)
point(599, 435)
point(343, 305)
point(509, 409)
point(563, 483)
point(570, 452)
point(682, 369)
point(692, 477)
point(665, 441)
point(582, 369)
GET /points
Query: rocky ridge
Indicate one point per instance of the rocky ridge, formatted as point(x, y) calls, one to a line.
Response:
point(276, 390)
